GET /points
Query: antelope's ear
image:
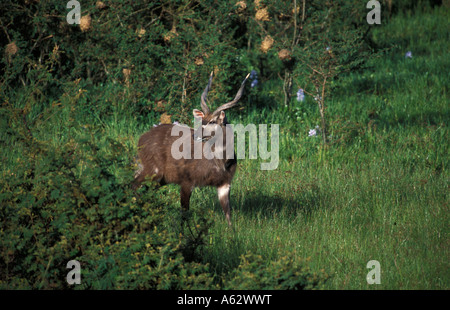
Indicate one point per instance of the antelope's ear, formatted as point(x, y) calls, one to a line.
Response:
point(222, 115)
point(198, 113)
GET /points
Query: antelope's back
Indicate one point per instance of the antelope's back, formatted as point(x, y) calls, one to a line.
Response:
point(155, 148)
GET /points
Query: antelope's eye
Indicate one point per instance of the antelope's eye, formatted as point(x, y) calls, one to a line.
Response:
point(212, 122)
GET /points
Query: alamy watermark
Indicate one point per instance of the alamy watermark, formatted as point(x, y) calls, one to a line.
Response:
point(374, 16)
point(73, 276)
point(74, 15)
point(218, 142)
point(374, 275)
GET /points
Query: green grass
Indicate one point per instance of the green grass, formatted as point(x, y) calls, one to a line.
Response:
point(341, 217)
point(379, 193)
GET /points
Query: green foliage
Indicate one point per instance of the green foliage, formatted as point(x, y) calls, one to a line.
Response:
point(285, 273)
point(163, 51)
point(154, 50)
point(75, 202)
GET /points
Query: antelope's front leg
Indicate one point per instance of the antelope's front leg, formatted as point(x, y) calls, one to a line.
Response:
point(224, 197)
point(185, 192)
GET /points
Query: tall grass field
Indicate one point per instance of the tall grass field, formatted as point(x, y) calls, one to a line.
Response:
point(382, 195)
point(378, 191)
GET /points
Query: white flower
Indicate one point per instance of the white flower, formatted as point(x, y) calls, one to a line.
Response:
point(300, 95)
point(408, 54)
point(314, 132)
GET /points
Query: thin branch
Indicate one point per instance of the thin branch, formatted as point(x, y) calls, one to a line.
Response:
point(295, 24)
point(303, 12)
point(6, 32)
point(316, 71)
point(183, 94)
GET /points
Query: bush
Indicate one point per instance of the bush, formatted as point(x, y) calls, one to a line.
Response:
point(285, 273)
point(156, 51)
point(74, 202)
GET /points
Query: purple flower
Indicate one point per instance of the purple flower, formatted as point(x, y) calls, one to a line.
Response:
point(300, 95)
point(408, 54)
point(253, 78)
point(314, 132)
point(176, 123)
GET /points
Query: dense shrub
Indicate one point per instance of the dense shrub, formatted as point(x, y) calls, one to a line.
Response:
point(286, 273)
point(156, 51)
point(75, 202)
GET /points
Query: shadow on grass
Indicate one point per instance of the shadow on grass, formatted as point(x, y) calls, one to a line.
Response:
point(249, 211)
point(255, 204)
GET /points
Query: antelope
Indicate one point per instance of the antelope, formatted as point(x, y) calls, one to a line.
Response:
point(159, 164)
